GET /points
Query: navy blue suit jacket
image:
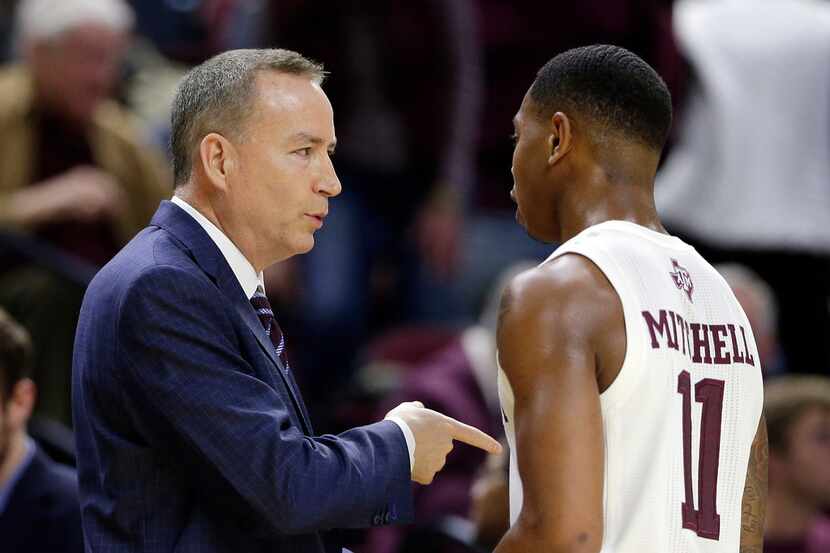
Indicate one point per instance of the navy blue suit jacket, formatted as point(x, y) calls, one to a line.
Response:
point(42, 515)
point(191, 435)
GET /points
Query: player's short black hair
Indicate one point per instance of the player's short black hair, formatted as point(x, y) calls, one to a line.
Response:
point(611, 86)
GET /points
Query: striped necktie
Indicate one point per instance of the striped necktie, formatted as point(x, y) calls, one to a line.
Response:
point(269, 322)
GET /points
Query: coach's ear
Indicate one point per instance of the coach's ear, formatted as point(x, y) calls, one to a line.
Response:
point(217, 160)
point(559, 137)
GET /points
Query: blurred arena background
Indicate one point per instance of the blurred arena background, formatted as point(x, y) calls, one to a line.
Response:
point(399, 298)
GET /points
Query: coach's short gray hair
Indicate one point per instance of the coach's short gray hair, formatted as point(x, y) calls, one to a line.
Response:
point(216, 97)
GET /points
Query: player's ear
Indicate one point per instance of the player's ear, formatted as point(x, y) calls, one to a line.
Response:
point(559, 138)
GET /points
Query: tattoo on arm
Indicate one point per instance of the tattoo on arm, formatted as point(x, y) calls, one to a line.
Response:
point(755, 494)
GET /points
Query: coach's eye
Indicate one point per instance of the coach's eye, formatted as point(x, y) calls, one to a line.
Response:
point(514, 138)
point(303, 152)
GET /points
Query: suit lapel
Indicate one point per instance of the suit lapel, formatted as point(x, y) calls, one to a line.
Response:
point(207, 255)
point(246, 311)
point(303, 409)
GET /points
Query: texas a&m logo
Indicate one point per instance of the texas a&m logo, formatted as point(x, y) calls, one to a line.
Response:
point(682, 279)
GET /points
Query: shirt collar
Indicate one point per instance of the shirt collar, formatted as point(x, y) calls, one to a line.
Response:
point(7, 489)
point(241, 267)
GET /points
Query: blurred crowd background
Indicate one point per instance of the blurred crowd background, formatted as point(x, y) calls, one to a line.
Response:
point(399, 298)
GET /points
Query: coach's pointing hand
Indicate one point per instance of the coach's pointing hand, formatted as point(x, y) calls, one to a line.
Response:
point(434, 434)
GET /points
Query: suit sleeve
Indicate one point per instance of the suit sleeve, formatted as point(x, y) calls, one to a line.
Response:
point(183, 365)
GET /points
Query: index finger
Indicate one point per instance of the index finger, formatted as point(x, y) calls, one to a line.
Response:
point(473, 436)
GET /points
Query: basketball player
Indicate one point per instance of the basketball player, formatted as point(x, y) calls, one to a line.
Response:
point(629, 381)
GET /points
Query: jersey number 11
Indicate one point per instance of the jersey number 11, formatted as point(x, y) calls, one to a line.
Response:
point(705, 520)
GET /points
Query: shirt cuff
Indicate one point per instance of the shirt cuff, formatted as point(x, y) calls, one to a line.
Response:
point(410, 439)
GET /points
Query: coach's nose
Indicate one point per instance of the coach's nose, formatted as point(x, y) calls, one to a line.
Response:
point(329, 184)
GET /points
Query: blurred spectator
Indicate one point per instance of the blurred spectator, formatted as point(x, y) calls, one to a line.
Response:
point(519, 37)
point(72, 173)
point(171, 36)
point(7, 9)
point(798, 422)
point(758, 302)
point(460, 381)
point(39, 510)
point(405, 84)
point(755, 134)
point(191, 31)
point(148, 90)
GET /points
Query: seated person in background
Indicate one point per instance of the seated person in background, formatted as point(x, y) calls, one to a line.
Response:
point(73, 174)
point(460, 381)
point(39, 510)
point(758, 302)
point(798, 418)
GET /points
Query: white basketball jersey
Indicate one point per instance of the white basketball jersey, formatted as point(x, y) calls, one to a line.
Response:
point(680, 418)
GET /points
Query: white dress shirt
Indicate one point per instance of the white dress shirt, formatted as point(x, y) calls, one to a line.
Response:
point(249, 279)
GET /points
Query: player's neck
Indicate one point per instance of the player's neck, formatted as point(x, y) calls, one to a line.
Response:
point(601, 198)
point(788, 515)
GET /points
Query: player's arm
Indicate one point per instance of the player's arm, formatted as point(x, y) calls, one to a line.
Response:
point(547, 342)
point(754, 505)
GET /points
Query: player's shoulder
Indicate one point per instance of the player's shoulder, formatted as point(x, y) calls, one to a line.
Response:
point(567, 279)
point(566, 296)
point(557, 316)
